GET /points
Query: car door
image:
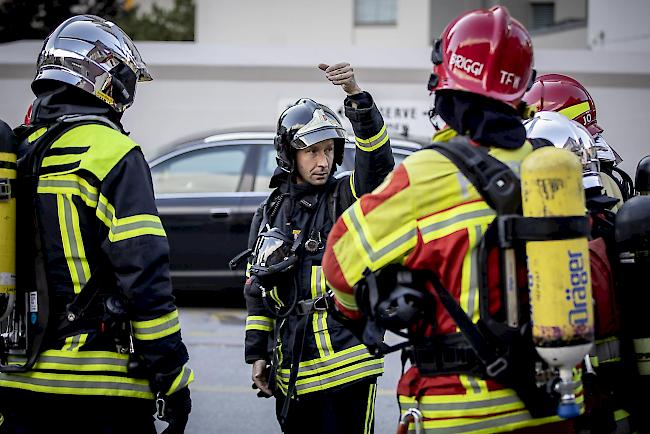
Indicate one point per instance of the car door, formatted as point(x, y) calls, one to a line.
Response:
point(199, 202)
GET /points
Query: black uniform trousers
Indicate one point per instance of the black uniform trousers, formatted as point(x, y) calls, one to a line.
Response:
point(27, 412)
point(346, 410)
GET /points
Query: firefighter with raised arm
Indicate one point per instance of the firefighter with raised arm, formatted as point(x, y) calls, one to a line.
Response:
point(91, 339)
point(321, 375)
point(424, 252)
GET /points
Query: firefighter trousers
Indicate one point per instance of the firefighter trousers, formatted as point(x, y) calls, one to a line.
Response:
point(347, 410)
point(27, 412)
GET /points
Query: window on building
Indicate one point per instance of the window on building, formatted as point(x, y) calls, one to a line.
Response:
point(369, 12)
point(542, 15)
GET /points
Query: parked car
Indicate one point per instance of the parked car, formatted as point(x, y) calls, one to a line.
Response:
point(207, 191)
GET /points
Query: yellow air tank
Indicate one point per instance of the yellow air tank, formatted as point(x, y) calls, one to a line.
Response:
point(8, 146)
point(559, 272)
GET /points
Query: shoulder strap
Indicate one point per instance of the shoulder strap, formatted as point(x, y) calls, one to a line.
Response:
point(493, 179)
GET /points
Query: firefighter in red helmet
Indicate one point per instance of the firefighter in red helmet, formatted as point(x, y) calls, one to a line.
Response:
point(429, 216)
point(565, 95)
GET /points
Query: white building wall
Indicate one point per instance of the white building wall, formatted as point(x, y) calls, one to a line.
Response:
point(254, 22)
point(620, 26)
point(411, 30)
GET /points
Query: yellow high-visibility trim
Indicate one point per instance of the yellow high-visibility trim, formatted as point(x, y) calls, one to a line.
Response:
point(454, 219)
point(156, 328)
point(82, 384)
point(106, 147)
point(575, 110)
point(82, 361)
point(58, 160)
point(373, 142)
point(72, 243)
point(127, 227)
point(444, 135)
point(36, 134)
point(369, 368)
point(262, 323)
point(70, 184)
point(620, 415)
point(73, 343)
point(183, 379)
point(319, 319)
point(370, 409)
point(354, 191)
point(9, 157)
point(338, 354)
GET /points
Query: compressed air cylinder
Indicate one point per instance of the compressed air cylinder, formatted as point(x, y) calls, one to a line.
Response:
point(559, 273)
point(7, 220)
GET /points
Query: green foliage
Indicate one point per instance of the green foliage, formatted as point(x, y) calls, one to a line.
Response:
point(35, 19)
point(175, 24)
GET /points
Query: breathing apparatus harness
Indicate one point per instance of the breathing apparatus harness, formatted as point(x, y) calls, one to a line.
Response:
point(30, 325)
point(273, 263)
point(490, 348)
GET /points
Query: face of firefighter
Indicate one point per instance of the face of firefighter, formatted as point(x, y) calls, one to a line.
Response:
point(315, 163)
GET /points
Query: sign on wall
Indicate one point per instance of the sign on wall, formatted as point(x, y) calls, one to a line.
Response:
point(404, 118)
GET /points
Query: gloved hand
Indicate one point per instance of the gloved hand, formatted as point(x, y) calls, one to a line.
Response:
point(260, 379)
point(175, 410)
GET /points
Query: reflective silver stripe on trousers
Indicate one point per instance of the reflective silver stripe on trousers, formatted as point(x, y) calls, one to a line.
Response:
point(74, 384)
point(343, 375)
point(322, 366)
point(476, 426)
point(82, 361)
point(464, 405)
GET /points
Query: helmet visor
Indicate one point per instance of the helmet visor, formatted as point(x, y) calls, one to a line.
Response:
point(271, 249)
point(322, 126)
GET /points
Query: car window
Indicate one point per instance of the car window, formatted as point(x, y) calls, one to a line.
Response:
point(265, 168)
point(202, 171)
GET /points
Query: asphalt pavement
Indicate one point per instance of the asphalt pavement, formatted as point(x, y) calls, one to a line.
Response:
point(223, 401)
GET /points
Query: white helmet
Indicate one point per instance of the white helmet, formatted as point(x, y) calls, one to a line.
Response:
point(567, 134)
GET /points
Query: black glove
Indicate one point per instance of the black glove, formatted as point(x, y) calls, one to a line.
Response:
point(174, 409)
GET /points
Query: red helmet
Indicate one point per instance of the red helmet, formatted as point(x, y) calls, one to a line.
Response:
point(486, 52)
point(28, 116)
point(563, 94)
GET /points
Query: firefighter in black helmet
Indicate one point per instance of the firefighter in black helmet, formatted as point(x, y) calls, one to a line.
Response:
point(323, 377)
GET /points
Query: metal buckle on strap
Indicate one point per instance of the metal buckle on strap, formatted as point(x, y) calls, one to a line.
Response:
point(161, 405)
point(5, 190)
point(319, 304)
point(496, 367)
point(322, 303)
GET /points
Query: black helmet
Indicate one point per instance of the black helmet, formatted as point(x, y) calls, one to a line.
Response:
point(642, 179)
point(304, 124)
